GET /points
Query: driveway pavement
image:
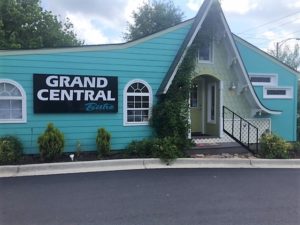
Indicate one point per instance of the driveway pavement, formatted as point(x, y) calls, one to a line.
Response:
point(154, 197)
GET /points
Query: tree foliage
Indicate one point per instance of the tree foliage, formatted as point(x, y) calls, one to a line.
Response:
point(152, 17)
point(288, 55)
point(291, 57)
point(170, 116)
point(24, 24)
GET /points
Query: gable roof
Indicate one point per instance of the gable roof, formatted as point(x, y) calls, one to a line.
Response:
point(261, 52)
point(198, 21)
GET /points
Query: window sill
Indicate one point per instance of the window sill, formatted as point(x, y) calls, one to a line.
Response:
point(205, 61)
point(12, 121)
point(126, 124)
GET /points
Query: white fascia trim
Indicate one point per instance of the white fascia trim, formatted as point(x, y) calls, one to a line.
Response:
point(104, 47)
point(230, 37)
point(24, 102)
point(187, 47)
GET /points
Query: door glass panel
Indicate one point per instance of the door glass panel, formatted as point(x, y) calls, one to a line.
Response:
point(194, 96)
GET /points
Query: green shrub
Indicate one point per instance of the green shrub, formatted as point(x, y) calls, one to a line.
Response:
point(274, 147)
point(51, 143)
point(141, 149)
point(295, 152)
point(103, 142)
point(10, 150)
point(164, 148)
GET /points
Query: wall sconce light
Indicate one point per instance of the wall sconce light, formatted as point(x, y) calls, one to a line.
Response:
point(244, 89)
point(195, 86)
point(234, 60)
point(259, 112)
point(232, 86)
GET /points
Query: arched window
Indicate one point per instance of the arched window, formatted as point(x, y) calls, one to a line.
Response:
point(12, 102)
point(137, 103)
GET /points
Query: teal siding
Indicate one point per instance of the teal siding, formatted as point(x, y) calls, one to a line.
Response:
point(257, 62)
point(148, 60)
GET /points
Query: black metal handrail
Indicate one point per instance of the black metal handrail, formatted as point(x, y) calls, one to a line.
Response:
point(238, 136)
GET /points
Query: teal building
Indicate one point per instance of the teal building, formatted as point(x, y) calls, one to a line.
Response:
point(81, 89)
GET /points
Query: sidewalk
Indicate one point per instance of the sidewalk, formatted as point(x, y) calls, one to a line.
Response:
point(137, 164)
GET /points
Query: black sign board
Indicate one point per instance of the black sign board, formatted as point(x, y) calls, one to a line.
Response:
point(75, 94)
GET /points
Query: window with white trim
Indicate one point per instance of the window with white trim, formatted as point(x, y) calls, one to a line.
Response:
point(137, 103)
point(278, 92)
point(264, 79)
point(12, 102)
point(205, 52)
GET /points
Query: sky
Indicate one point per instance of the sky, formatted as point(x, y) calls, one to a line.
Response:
point(260, 22)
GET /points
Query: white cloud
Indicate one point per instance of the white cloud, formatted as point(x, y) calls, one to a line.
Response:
point(239, 7)
point(295, 4)
point(131, 6)
point(233, 6)
point(270, 35)
point(95, 22)
point(103, 21)
point(194, 5)
point(86, 31)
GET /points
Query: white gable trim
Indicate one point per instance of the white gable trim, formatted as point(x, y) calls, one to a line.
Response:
point(187, 47)
point(230, 37)
point(236, 52)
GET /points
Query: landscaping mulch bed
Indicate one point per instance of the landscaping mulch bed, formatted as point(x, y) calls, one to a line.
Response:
point(91, 156)
point(84, 156)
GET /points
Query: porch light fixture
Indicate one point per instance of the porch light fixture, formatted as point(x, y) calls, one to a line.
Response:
point(243, 89)
point(259, 112)
point(232, 86)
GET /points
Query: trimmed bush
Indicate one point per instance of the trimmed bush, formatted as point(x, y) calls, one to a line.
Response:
point(51, 143)
point(295, 152)
point(103, 142)
point(274, 147)
point(10, 150)
point(164, 148)
point(141, 149)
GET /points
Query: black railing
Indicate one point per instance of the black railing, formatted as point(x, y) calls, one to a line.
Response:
point(241, 130)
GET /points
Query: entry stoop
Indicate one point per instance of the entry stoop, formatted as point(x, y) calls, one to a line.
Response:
point(217, 148)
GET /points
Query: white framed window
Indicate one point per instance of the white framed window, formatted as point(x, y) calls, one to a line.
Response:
point(137, 103)
point(263, 79)
point(211, 102)
point(205, 52)
point(12, 102)
point(278, 92)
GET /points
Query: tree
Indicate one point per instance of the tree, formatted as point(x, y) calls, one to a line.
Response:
point(152, 17)
point(287, 55)
point(292, 58)
point(24, 24)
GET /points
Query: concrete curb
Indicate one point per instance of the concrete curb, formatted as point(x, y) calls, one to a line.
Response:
point(138, 164)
